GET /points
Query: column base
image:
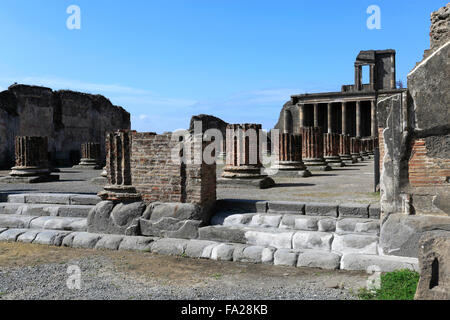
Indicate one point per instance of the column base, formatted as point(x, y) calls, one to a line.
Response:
point(104, 173)
point(334, 161)
point(347, 159)
point(356, 157)
point(119, 193)
point(317, 165)
point(29, 171)
point(243, 172)
point(258, 183)
point(88, 164)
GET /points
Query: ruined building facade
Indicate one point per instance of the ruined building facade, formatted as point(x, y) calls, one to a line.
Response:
point(67, 118)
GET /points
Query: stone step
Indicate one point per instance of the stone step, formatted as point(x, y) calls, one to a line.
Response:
point(47, 222)
point(38, 209)
point(287, 221)
point(343, 210)
point(54, 198)
point(206, 249)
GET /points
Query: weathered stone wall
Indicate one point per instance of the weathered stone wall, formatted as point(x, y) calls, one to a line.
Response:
point(440, 27)
point(67, 118)
point(157, 177)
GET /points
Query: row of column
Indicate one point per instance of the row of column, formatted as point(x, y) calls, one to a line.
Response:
point(311, 149)
point(373, 116)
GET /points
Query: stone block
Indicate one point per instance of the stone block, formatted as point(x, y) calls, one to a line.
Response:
point(16, 198)
point(85, 240)
point(353, 210)
point(355, 261)
point(400, 234)
point(222, 234)
point(254, 254)
point(196, 248)
point(10, 208)
point(357, 225)
point(136, 243)
point(355, 243)
point(266, 220)
point(180, 211)
point(243, 206)
point(319, 259)
point(50, 237)
point(74, 211)
point(287, 207)
point(434, 263)
point(109, 242)
point(28, 236)
point(374, 211)
point(312, 240)
point(15, 221)
point(238, 219)
point(270, 238)
point(49, 198)
point(285, 257)
point(222, 252)
point(82, 199)
point(12, 234)
point(321, 209)
point(188, 229)
point(175, 247)
point(327, 225)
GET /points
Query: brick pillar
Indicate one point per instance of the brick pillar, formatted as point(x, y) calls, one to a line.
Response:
point(31, 157)
point(344, 149)
point(118, 161)
point(289, 155)
point(90, 156)
point(358, 118)
point(243, 152)
point(355, 148)
point(331, 150)
point(312, 147)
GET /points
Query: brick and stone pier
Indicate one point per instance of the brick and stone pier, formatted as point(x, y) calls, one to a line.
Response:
point(331, 145)
point(118, 160)
point(90, 156)
point(289, 156)
point(31, 165)
point(243, 160)
point(355, 148)
point(344, 149)
point(312, 149)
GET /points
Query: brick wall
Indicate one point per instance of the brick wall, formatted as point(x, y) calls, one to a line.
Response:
point(158, 178)
point(426, 171)
point(381, 147)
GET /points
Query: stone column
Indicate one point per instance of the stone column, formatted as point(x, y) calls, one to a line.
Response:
point(344, 117)
point(302, 115)
point(344, 149)
point(312, 148)
point(31, 165)
point(358, 119)
point(372, 77)
point(316, 115)
point(331, 150)
point(329, 117)
point(358, 82)
point(118, 161)
point(243, 152)
point(289, 156)
point(373, 119)
point(90, 156)
point(355, 148)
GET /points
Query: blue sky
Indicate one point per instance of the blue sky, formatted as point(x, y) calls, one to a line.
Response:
point(167, 60)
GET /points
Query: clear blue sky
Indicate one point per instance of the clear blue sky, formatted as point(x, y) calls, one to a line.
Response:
point(167, 60)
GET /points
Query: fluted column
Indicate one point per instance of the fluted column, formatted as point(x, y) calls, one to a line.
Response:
point(331, 150)
point(316, 115)
point(344, 149)
point(329, 117)
point(118, 162)
point(344, 117)
point(243, 152)
point(312, 148)
point(289, 155)
point(358, 119)
point(31, 156)
point(90, 156)
point(302, 115)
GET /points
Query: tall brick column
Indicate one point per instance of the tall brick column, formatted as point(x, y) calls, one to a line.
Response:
point(243, 152)
point(331, 150)
point(289, 155)
point(344, 149)
point(312, 149)
point(355, 148)
point(31, 164)
point(118, 160)
point(90, 156)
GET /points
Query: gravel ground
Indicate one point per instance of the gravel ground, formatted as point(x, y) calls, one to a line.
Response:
point(125, 276)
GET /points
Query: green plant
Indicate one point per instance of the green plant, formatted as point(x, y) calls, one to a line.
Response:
point(397, 285)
